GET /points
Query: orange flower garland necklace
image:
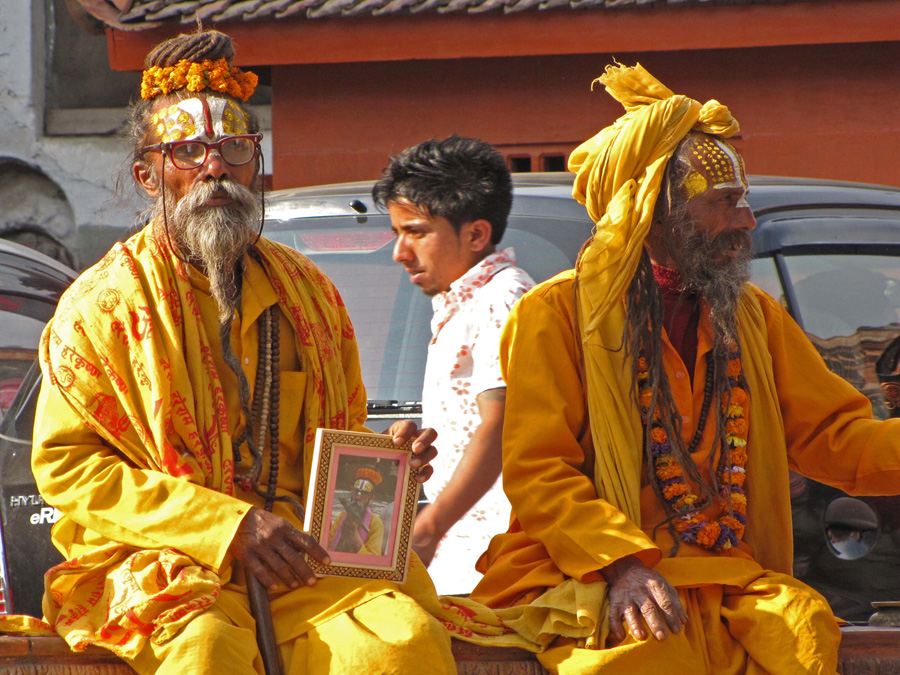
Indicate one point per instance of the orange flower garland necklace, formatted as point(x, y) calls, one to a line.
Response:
point(207, 74)
point(694, 527)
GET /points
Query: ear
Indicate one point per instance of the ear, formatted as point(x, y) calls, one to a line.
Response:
point(479, 235)
point(145, 176)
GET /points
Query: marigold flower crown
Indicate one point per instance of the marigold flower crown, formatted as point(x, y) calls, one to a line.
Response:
point(197, 76)
point(370, 475)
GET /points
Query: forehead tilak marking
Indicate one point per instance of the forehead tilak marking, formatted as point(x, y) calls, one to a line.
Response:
point(719, 164)
point(207, 118)
point(195, 118)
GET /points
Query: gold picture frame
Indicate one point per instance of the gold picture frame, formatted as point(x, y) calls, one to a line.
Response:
point(361, 504)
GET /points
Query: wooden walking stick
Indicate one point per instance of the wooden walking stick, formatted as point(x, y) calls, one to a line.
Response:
point(265, 629)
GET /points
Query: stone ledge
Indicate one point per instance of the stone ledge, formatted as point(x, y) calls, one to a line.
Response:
point(864, 651)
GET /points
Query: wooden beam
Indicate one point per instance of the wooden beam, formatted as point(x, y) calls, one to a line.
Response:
point(536, 33)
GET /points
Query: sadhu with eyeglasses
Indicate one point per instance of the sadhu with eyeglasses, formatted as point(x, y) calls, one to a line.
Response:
point(184, 377)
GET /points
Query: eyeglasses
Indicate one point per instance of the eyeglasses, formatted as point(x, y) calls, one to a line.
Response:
point(186, 155)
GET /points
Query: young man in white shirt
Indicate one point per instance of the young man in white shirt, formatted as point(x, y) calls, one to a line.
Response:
point(449, 202)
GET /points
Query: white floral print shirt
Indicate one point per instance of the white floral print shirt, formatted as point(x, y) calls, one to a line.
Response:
point(463, 361)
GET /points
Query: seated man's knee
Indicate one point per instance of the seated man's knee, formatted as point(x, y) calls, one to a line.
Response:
point(208, 643)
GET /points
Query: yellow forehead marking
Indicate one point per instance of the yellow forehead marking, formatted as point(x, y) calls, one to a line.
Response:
point(716, 163)
point(696, 184)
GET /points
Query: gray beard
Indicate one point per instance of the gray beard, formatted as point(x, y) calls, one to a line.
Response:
point(718, 280)
point(215, 238)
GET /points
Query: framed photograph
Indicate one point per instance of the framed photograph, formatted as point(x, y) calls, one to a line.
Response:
point(361, 505)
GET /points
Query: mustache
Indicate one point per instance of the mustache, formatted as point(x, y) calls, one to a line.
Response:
point(729, 240)
point(196, 199)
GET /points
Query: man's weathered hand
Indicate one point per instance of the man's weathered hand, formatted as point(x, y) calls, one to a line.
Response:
point(269, 547)
point(350, 541)
point(422, 448)
point(635, 591)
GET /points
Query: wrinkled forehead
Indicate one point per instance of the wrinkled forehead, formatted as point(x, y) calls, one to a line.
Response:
point(205, 119)
point(715, 165)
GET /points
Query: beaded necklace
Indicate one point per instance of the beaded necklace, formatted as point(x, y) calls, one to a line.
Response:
point(694, 527)
point(265, 409)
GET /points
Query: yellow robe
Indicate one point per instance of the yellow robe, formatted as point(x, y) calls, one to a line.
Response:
point(562, 533)
point(136, 452)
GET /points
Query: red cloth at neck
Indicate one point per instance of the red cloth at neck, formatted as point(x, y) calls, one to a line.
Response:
point(681, 315)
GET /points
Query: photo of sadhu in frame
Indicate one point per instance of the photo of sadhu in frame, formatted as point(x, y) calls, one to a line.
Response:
point(357, 528)
point(361, 505)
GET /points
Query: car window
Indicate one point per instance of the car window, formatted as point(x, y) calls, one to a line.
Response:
point(764, 274)
point(849, 306)
point(17, 427)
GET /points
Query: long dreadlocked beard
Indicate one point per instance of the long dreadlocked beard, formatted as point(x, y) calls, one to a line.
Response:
point(216, 238)
point(707, 271)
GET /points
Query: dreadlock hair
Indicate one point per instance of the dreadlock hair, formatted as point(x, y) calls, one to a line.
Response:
point(209, 44)
point(643, 339)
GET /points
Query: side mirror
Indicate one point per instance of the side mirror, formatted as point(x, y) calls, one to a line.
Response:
point(851, 528)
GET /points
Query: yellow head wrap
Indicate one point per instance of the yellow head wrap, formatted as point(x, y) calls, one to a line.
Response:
point(619, 172)
point(618, 176)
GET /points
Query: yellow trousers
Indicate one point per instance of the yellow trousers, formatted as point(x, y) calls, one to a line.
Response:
point(773, 626)
point(387, 635)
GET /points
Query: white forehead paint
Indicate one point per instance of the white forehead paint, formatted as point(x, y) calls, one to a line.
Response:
point(733, 176)
point(200, 119)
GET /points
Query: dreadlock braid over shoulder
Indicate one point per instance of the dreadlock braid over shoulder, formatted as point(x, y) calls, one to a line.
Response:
point(210, 44)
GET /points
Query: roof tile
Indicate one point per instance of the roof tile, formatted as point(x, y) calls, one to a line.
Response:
point(268, 8)
point(143, 14)
point(295, 8)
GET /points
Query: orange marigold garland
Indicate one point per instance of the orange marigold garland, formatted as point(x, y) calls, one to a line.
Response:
point(695, 528)
point(207, 74)
point(370, 475)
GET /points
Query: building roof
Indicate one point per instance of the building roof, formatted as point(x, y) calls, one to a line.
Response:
point(145, 14)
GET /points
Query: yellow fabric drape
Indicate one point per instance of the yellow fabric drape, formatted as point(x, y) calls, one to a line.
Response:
point(170, 449)
point(723, 636)
point(618, 176)
point(139, 371)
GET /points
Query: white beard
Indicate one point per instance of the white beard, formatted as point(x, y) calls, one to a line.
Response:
point(215, 238)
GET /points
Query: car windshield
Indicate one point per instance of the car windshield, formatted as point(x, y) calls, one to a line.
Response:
point(391, 316)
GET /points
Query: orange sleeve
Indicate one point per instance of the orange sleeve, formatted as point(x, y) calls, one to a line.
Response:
point(830, 432)
point(555, 502)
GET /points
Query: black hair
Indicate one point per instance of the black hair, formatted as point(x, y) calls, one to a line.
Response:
point(460, 179)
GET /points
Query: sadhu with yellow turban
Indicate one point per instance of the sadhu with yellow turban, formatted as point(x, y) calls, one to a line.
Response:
point(656, 402)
